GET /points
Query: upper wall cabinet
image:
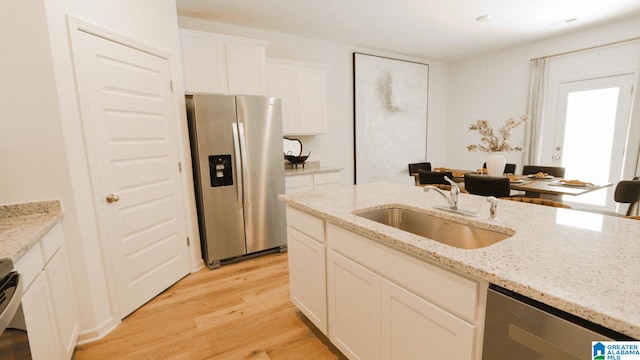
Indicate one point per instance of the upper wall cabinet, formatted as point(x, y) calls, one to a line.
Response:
point(223, 64)
point(302, 88)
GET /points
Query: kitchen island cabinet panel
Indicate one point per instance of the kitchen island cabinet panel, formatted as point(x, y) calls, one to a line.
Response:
point(456, 293)
point(354, 308)
point(381, 303)
point(306, 224)
point(413, 327)
point(307, 277)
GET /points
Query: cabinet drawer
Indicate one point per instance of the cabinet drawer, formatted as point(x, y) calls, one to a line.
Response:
point(442, 287)
point(326, 178)
point(306, 224)
point(30, 265)
point(51, 242)
point(298, 181)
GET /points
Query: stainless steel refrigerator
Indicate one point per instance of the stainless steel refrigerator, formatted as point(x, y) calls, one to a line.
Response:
point(236, 147)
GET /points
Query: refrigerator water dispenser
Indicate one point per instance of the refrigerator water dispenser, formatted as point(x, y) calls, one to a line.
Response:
point(220, 170)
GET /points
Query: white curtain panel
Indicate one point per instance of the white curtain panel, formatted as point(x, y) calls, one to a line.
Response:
point(535, 109)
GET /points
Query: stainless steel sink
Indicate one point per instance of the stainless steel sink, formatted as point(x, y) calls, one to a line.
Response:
point(464, 236)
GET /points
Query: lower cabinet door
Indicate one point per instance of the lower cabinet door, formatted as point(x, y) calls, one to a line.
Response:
point(41, 321)
point(307, 277)
point(59, 278)
point(414, 328)
point(354, 308)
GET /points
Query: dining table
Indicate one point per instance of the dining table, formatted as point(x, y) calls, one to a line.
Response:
point(554, 187)
point(546, 187)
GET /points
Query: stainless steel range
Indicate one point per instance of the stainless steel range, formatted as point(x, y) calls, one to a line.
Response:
point(14, 342)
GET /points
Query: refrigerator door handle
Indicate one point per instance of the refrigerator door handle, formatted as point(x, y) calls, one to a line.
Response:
point(239, 183)
point(243, 153)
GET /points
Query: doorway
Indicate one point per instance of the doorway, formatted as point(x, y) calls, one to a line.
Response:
point(590, 134)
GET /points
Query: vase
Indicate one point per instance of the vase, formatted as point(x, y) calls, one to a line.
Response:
point(495, 163)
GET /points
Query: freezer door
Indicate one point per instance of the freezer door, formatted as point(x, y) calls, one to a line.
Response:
point(218, 182)
point(260, 128)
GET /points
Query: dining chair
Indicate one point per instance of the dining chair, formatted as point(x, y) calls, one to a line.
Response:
point(508, 168)
point(556, 171)
point(487, 185)
point(628, 192)
point(537, 201)
point(433, 177)
point(414, 167)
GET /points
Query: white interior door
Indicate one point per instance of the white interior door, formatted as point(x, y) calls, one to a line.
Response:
point(590, 134)
point(129, 116)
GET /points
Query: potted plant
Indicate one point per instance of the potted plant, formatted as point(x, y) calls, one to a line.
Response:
point(496, 142)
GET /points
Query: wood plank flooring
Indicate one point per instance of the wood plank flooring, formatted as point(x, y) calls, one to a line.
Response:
point(239, 311)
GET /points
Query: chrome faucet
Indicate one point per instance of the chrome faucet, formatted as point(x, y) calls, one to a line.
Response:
point(453, 199)
point(454, 194)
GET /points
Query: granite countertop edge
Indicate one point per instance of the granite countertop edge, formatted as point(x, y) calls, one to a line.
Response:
point(497, 264)
point(23, 225)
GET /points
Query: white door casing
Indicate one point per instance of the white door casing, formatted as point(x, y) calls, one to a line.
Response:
point(130, 128)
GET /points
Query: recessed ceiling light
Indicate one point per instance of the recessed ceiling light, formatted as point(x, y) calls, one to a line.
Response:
point(484, 18)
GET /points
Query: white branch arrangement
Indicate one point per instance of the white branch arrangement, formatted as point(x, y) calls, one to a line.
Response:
point(496, 141)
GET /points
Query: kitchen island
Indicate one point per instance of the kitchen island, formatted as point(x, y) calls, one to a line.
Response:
point(583, 263)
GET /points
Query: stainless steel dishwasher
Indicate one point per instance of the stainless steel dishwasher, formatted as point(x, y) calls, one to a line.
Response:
point(517, 327)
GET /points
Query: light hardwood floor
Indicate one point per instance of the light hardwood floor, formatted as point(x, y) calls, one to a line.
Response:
point(239, 311)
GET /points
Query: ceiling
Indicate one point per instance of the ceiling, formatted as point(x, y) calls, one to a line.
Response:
point(438, 29)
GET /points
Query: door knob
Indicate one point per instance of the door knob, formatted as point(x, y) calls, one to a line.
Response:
point(111, 198)
point(558, 148)
point(557, 157)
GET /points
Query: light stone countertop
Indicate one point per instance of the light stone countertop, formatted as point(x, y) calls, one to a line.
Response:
point(586, 264)
point(23, 225)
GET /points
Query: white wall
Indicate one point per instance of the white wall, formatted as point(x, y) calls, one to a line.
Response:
point(495, 87)
point(42, 154)
point(335, 148)
point(32, 153)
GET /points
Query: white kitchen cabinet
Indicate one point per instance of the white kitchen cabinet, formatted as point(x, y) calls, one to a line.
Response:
point(40, 320)
point(382, 303)
point(321, 180)
point(302, 88)
point(307, 272)
point(412, 327)
point(309, 182)
point(59, 280)
point(223, 64)
point(48, 303)
point(423, 308)
point(354, 308)
point(298, 183)
point(373, 318)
